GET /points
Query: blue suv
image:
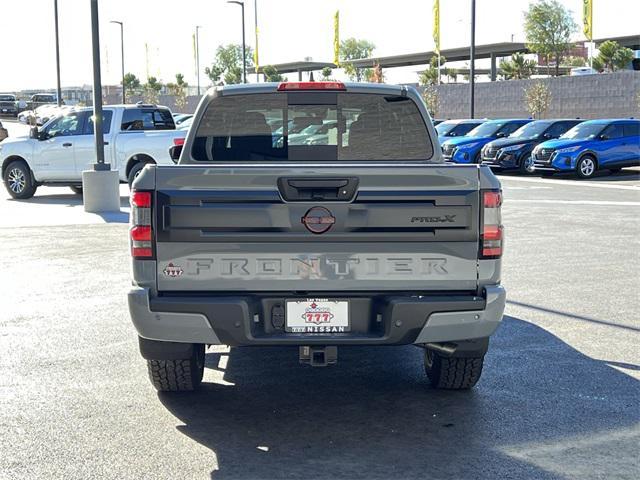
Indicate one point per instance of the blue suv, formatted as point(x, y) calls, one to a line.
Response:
point(456, 128)
point(467, 149)
point(590, 146)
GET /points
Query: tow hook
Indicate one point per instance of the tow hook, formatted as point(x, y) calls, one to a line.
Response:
point(318, 356)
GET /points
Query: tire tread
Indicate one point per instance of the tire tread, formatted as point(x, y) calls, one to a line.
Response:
point(455, 373)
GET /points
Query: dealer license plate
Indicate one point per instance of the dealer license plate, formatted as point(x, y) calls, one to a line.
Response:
point(317, 315)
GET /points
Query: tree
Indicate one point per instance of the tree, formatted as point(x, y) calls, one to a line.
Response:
point(431, 99)
point(548, 28)
point(517, 67)
point(151, 90)
point(430, 75)
point(131, 85)
point(575, 61)
point(537, 98)
point(614, 57)
point(272, 74)
point(377, 76)
point(179, 90)
point(227, 67)
point(326, 74)
point(353, 49)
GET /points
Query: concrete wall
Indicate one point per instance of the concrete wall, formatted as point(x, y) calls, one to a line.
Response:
point(589, 96)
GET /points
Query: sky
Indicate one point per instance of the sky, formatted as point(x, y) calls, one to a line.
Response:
point(159, 34)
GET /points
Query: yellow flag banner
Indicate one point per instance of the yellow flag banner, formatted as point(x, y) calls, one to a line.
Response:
point(336, 38)
point(436, 25)
point(255, 53)
point(587, 18)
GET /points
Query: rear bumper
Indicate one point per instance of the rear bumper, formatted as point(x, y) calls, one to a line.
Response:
point(375, 320)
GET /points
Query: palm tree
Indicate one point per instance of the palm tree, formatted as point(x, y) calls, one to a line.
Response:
point(517, 68)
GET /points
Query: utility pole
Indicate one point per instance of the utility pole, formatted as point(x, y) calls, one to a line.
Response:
point(58, 87)
point(472, 54)
point(198, 27)
point(121, 56)
point(244, 55)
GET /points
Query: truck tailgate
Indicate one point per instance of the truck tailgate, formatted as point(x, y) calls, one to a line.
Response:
point(227, 228)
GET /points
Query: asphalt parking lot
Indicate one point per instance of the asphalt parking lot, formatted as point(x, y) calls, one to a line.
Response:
point(559, 396)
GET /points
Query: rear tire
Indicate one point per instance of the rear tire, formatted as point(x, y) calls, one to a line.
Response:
point(178, 375)
point(452, 373)
point(135, 171)
point(18, 180)
point(77, 190)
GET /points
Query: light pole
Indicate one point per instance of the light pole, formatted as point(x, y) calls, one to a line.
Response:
point(472, 54)
point(198, 27)
point(58, 87)
point(100, 185)
point(244, 56)
point(121, 55)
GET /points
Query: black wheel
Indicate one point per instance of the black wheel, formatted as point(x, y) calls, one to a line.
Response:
point(586, 166)
point(178, 375)
point(18, 180)
point(525, 164)
point(76, 189)
point(477, 159)
point(135, 171)
point(452, 373)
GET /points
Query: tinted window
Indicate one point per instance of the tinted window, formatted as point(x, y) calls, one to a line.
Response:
point(583, 131)
point(487, 129)
point(631, 129)
point(70, 124)
point(351, 127)
point(147, 119)
point(530, 130)
point(509, 128)
point(557, 129)
point(7, 98)
point(107, 115)
point(613, 131)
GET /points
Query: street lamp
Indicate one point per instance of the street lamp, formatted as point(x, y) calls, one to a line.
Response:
point(58, 88)
point(121, 55)
point(244, 56)
point(198, 27)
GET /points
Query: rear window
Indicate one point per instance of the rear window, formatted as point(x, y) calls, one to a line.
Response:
point(311, 127)
point(147, 119)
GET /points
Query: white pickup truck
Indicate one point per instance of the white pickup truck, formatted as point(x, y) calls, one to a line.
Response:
point(58, 152)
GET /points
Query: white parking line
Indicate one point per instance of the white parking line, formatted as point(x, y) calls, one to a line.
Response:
point(577, 202)
point(575, 183)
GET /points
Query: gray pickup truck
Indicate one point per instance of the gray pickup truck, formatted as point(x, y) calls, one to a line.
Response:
point(357, 235)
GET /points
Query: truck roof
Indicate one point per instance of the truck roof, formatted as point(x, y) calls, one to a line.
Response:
point(272, 87)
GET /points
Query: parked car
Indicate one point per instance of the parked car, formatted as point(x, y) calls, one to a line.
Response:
point(186, 124)
point(578, 71)
point(58, 152)
point(3, 132)
point(456, 128)
point(514, 153)
point(591, 146)
point(467, 149)
point(180, 118)
point(42, 114)
point(8, 105)
point(40, 99)
point(327, 251)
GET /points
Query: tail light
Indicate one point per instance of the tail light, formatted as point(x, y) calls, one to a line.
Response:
point(284, 86)
point(491, 235)
point(141, 231)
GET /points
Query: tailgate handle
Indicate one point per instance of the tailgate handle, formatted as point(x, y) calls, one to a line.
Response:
point(325, 189)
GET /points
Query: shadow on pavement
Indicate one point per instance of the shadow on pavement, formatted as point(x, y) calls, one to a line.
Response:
point(374, 415)
point(70, 200)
